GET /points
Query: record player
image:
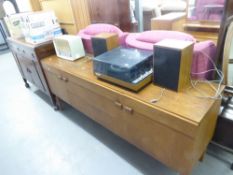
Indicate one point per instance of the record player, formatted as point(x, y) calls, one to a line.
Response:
point(127, 67)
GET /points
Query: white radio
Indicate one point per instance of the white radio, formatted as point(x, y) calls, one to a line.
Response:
point(69, 47)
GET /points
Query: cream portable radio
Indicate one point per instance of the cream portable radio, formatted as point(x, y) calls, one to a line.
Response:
point(69, 47)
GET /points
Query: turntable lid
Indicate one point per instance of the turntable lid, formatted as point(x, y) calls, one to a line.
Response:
point(124, 57)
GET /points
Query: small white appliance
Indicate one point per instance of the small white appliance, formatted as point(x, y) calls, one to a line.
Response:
point(69, 47)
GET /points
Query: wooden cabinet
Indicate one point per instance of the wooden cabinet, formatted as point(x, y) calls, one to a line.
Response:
point(171, 21)
point(27, 57)
point(116, 12)
point(176, 130)
point(73, 15)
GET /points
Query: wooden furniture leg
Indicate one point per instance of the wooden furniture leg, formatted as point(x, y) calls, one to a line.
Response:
point(58, 105)
point(186, 173)
point(202, 157)
point(26, 83)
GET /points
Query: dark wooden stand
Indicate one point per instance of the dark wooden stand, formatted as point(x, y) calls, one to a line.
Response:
point(28, 57)
point(224, 132)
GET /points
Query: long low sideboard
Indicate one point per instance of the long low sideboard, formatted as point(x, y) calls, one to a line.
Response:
point(176, 130)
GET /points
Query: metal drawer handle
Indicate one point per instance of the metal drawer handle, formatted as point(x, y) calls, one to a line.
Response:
point(28, 70)
point(118, 104)
point(65, 79)
point(128, 109)
point(59, 77)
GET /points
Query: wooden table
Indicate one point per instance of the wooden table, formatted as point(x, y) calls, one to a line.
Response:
point(202, 31)
point(171, 21)
point(176, 130)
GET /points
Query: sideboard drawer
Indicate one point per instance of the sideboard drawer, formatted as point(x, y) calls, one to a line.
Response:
point(24, 51)
point(45, 50)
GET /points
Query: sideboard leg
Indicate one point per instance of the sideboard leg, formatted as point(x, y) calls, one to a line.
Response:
point(54, 102)
point(187, 172)
point(202, 157)
point(58, 105)
point(26, 83)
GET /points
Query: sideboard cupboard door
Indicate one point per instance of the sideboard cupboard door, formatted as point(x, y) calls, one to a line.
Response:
point(171, 147)
point(30, 72)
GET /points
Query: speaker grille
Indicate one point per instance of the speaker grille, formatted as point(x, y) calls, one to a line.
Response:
point(166, 67)
point(99, 46)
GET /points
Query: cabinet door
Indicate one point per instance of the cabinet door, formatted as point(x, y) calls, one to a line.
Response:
point(57, 84)
point(172, 148)
point(30, 72)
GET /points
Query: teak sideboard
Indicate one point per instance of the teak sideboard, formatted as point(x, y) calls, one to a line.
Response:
point(176, 130)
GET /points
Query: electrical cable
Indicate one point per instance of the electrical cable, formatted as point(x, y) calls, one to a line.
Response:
point(155, 100)
point(218, 89)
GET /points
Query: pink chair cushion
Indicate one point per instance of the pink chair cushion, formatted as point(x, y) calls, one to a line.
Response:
point(95, 29)
point(158, 35)
point(202, 53)
point(131, 41)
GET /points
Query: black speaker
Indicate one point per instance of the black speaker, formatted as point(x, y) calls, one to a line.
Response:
point(104, 42)
point(172, 64)
point(99, 46)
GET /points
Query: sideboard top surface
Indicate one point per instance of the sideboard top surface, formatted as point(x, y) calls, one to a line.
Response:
point(22, 41)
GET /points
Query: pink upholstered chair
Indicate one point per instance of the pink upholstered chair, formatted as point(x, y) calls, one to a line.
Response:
point(95, 29)
point(208, 9)
point(203, 51)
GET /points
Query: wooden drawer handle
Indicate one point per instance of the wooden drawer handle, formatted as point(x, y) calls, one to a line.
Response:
point(118, 104)
point(65, 79)
point(128, 109)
